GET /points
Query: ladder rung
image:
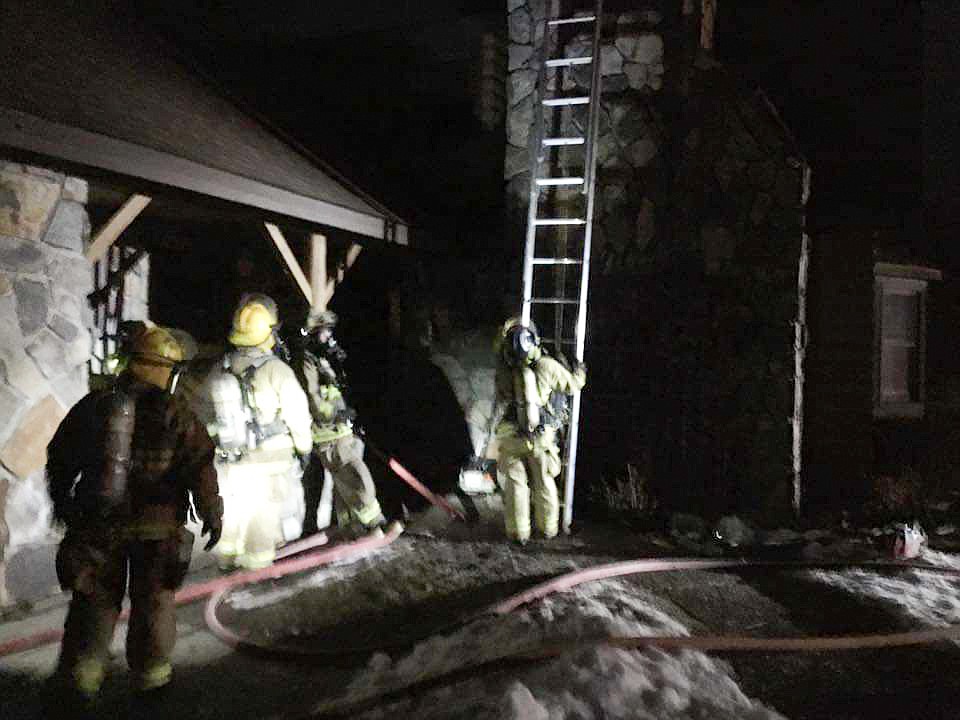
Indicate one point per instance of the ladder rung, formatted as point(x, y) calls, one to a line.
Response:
point(559, 221)
point(560, 181)
point(557, 261)
point(565, 62)
point(554, 301)
point(549, 142)
point(554, 102)
point(564, 341)
point(568, 21)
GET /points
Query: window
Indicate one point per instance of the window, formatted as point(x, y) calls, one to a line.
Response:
point(900, 332)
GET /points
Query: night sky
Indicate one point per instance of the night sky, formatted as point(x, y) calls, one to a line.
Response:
point(847, 77)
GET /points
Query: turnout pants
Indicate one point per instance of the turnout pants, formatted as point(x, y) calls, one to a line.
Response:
point(154, 571)
point(255, 498)
point(355, 495)
point(527, 472)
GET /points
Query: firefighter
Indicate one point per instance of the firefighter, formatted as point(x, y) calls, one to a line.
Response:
point(337, 448)
point(262, 429)
point(140, 455)
point(531, 390)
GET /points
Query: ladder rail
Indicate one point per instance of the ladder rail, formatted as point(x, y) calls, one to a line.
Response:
point(590, 175)
point(536, 159)
point(540, 145)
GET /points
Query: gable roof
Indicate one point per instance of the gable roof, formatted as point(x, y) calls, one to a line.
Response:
point(93, 87)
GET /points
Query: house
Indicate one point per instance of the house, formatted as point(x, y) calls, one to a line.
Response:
point(102, 130)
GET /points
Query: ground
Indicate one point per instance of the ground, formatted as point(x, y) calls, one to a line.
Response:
point(399, 633)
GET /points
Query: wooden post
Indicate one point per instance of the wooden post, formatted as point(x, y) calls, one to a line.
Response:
point(291, 260)
point(348, 262)
point(118, 222)
point(318, 271)
point(708, 21)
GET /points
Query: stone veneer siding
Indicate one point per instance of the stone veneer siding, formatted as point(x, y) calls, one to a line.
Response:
point(697, 235)
point(45, 342)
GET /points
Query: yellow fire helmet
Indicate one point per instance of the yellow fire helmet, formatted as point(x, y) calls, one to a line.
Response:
point(153, 356)
point(253, 323)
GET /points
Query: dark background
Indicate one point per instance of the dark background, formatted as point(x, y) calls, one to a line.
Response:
point(384, 92)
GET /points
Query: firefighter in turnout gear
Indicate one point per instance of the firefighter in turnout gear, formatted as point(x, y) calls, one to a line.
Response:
point(121, 471)
point(337, 448)
point(531, 390)
point(262, 430)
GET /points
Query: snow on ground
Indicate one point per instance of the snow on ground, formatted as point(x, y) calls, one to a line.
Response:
point(931, 597)
point(588, 682)
point(341, 571)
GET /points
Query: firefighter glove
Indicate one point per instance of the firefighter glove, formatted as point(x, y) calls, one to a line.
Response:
point(214, 527)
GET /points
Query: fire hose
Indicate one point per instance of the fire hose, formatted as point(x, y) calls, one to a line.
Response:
point(716, 643)
point(218, 586)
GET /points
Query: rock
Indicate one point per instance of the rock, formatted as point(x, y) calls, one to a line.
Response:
point(629, 123)
point(516, 161)
point(612, 198)
point(655, 75)
point(644, 48)
point(518, 56)
point(514, 4)
point(642, 152)
point(649, 17)
point(32, 305)
point(522, 83)
point(611, 61)
point(70, 388)
point(75, 189)
point(615, 84)
point(64, 329)
point(26, 202)
point(20, 371)
point(11, 403)
point(519, 123)
point(31, 569)
point(20, 256)
point(579, 46)
point(520, 24)
point(946, 529)
point(607, 147)
point(636, 75)
point(70, 227)
point(26, 450)
point(6, 287)
point(49, 353)
point(73, 275)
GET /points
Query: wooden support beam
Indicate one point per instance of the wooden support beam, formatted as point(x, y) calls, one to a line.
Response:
point(318, 271)
point(114, 227)
point(348, 262)
point(708, 23)
point(290, 259)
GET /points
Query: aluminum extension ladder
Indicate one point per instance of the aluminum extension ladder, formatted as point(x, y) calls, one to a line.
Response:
point(560, 214)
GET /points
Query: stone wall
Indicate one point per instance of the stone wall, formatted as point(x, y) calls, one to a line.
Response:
point(697, 234)
point(45, 343)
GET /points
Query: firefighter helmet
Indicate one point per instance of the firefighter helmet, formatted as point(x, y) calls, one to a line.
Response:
point(321, 320)
point(154, 354)
point(254, 322)
point(521, 343)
